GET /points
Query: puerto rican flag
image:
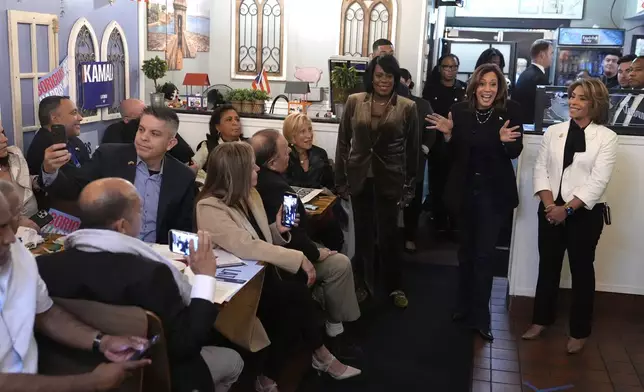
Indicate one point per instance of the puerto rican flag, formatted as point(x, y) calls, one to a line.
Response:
point(261, 82)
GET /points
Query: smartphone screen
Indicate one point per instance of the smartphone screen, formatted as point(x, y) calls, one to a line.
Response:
point(142, 353)
point(289, 209)
point(180, 241)
point(59, 133)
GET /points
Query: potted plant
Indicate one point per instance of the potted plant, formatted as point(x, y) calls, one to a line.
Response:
point(344, 79)
point(155, 69)
point(259, 104)
point(234, 97)
point(247, 100)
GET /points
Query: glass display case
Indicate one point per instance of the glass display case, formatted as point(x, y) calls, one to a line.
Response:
point(624, 117)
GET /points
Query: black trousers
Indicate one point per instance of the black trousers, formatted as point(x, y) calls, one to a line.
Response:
point(480, 228)
point(412, 212)
point(439, 167)
point(376, 224)
point(289, 315)
point(579, 234)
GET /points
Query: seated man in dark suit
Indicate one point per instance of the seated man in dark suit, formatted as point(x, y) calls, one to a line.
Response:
point(125, 130)
point(525, 91)
point(27, 306)
point(61, 111)
point(106, 263)
point(334, 271)
point(166, 186)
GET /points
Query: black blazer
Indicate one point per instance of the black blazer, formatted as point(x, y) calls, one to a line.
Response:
point(271, 186)
point(178, 189)
point(319, 175)
point(128, 280)
point(503, 178)
point(42, 140)
point(120, 132)
point(525, 92)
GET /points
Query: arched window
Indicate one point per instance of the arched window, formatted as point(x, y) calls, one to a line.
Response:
point(114, 49)
point(82, 47)
point(365, 21)
point(259, 39)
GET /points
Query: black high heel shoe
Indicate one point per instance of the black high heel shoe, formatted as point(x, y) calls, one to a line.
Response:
point(485, 333)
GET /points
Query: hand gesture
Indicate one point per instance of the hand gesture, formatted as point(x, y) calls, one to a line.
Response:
point(556, 215)
point(56, 156)
point(121, 348)
point(509, 135)
point(278, 221)
point(325, 253)
point(310, 271)
point(202, 261)
point(108, 376)
point(440, 123)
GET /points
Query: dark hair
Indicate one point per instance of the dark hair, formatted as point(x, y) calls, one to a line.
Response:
point(405, 74)
point(101, 213)
point(164, 114)
point(380, 42)
point(613, 52)
point(597, 94)
point(626, 59)
point(389, 64)
point(487, 55)
point(436, 72)
point(539, 46)
point(502, 93)
point(47, 106)
point(215, 118)
point(267, 149)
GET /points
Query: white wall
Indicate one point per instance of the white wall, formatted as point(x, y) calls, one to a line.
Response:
point(312, 36)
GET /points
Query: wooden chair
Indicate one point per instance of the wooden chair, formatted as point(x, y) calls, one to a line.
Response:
point(55, 359)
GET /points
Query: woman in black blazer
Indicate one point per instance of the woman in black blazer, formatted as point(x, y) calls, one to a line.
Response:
point(484, 135)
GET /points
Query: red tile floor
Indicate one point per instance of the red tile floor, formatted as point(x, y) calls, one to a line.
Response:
point(612, 360)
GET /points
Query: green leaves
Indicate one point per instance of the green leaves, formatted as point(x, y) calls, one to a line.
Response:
point(155, 69)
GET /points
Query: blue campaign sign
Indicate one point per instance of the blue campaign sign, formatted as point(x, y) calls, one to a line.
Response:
point(97, 85)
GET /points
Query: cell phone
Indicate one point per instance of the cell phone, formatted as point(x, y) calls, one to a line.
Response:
point(179, 241)
point(59, 134)
point(140, 354)
point(289, 209)
point(42, 218)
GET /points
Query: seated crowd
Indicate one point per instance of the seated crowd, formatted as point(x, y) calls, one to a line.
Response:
point(129, 193)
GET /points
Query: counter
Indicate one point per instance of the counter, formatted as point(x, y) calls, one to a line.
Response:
point(619, 265)
point(193, 127)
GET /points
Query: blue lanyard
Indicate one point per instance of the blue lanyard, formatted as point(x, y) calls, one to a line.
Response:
point(73, 154)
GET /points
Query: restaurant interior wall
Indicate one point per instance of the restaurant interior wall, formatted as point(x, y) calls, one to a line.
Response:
point(312, 35)
point(99, 13)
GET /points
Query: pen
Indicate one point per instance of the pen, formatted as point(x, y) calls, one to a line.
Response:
point(230, 280)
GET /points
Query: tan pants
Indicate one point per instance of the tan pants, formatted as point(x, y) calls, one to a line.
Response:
point(225, 366)
point(335, 289)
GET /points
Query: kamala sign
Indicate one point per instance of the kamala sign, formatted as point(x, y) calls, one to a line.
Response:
point(97, 85)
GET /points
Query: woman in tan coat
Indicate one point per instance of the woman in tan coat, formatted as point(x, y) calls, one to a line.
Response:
point(231, 210)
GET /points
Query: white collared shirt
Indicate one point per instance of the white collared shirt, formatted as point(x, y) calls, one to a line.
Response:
point(23, 295)
point(541, 67)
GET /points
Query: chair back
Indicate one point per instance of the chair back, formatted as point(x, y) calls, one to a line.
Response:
point(156, 377)
point(56, 359)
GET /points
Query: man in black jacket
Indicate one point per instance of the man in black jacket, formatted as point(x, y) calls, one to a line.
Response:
point(166, 186)
point(535, 75)
point(104, 264)
point(125, 130)
point(333, 270)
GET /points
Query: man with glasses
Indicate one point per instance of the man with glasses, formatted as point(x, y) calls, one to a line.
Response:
point(535, 75)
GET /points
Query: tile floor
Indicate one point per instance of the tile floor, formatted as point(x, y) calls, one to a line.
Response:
point(613, 359)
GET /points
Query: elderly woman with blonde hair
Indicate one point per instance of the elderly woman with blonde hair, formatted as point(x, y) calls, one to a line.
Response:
point(231, 210)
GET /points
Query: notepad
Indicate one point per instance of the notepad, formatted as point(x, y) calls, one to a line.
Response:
point(224, 259)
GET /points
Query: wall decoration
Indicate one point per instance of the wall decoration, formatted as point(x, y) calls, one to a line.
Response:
point(97, 85)
point(364, 22)
point(180, 28)
point(54, 83)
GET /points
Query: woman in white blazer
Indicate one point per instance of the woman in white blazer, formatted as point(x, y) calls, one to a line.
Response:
point(572, 172)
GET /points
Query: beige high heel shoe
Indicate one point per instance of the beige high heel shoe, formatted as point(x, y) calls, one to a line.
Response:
point(574, 346)
point(534, 332)
point(324, 367)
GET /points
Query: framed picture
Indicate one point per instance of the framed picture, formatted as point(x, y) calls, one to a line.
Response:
point(194, 102)
point(637, 45)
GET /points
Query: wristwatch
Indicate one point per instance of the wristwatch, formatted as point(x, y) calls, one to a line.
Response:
point(570, 211)
point(96, 344)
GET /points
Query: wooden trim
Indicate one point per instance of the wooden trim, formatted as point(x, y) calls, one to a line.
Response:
point(114, 25)
point(387, 4)
point(345, 7)
point(71, 53)
point(32, 18)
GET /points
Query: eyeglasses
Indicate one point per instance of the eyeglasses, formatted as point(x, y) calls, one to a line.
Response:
point(449, 67)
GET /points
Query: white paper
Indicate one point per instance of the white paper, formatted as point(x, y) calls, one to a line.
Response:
point(223, 258)
point(306, 194)
point(224, 291)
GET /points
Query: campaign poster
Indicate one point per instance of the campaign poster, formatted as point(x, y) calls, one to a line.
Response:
point(54, 83)
point(97, 85)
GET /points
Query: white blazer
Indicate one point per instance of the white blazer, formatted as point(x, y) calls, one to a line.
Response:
point(588, 175)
